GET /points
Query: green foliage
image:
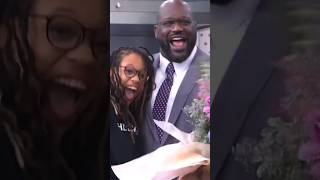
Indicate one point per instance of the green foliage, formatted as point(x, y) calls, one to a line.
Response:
point(199, 120)
point(276, 154)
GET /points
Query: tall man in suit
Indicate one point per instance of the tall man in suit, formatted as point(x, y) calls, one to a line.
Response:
point(177, 70)
point(251, 87)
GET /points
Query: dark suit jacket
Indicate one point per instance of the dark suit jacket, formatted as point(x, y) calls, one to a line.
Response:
point(186, 93)
point(250, 91)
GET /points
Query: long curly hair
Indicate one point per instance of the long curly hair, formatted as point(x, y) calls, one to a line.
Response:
point(133, 115)
point(80, 153)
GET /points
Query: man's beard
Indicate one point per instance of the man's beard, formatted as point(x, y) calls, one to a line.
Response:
point(166, 51)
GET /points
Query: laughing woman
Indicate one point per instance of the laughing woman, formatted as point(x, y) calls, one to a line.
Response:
point(52, 89)
point(131, 85)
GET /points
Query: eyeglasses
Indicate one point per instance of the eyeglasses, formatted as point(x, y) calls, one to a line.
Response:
point(130, 72)
point(182, 22)
point(67, 33)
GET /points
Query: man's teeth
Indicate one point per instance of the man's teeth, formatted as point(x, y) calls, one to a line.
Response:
point(73, 83)
point(177, 39)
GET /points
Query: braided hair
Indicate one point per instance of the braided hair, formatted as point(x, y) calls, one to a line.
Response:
point(131, 115)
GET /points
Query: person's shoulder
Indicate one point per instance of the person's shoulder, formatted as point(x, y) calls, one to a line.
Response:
point(202, 55)
point(156, 56)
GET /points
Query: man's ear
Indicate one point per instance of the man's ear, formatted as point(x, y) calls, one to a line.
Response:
point(155, 31)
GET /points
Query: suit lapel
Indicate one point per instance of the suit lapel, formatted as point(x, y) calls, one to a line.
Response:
point(249, 71)
point(151, 123)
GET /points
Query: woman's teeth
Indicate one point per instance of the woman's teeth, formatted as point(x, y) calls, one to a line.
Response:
point(72, 83)
point(132, 88)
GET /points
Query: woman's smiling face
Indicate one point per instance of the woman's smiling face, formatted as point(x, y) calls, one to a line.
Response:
point(68, 38)
point(132, 74)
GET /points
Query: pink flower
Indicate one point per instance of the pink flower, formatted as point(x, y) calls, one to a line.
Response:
point(206, 108)
point(312, 122)
point(207, 99)
point(204, 88)
point(310, 151)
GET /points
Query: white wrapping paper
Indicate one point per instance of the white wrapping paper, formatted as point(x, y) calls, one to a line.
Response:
point(167, 162)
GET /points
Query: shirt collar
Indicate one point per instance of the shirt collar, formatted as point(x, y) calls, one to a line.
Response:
point(178, 67)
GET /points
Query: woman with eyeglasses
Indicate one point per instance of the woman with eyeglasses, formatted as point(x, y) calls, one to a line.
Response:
point(53, 89)
point(131, 85)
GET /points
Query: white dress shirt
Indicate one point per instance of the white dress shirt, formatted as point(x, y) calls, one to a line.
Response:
point(178, 76)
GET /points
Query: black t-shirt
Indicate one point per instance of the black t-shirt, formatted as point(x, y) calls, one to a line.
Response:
point(122, 149)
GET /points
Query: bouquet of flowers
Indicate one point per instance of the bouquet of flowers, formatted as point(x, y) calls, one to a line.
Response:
point(290, 145)
point(183, 158)
point(199, 110)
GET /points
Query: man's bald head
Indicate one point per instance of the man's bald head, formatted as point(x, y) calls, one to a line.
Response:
point(177, 3)
point(176, 30)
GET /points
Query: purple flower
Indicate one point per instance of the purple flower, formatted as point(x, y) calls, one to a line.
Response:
point(310, 151)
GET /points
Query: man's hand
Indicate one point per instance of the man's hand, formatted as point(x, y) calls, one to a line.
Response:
point(202, 173)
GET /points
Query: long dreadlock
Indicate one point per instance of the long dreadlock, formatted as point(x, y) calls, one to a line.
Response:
point(133, 115)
